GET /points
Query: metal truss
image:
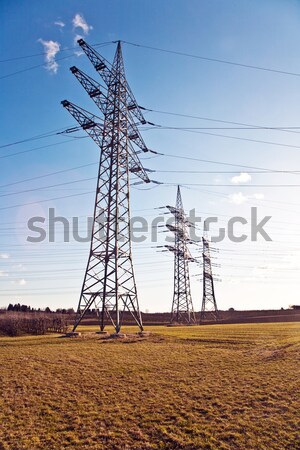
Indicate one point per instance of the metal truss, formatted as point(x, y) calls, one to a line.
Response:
point(182, 305)
point(109, 284)
point(209, 310)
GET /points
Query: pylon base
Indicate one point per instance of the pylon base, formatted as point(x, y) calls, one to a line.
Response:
point(143, 333)
point(118, 335)
point(73, 334)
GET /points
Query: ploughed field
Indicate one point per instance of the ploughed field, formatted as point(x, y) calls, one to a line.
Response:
point(210, 387)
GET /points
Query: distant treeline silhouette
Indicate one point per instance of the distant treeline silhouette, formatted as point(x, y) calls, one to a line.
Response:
point(17, 307)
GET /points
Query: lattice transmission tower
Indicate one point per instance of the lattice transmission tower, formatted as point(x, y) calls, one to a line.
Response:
point(209, 309)
point(182, 305)
point(109, 283)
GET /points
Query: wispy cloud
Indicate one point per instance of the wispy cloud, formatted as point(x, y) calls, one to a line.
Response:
point(51, 49)
point(80, 22)
point(244, 177)
point(60, 23)
point(18, 266)
point(20, 282)
point(76, 38)
point(4, 255)
point(3, 274)
point(238, 198)
point(257, 196)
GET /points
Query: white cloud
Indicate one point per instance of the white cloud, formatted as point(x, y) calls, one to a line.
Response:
point(238, 198)
point(80, 22)
point(51, 49)
point(3, 274)
point(60, 24)
point(4, 255)
point(20, 282)
point(244, 177)
point(18, 267)
point(258, 196)
point(76, 38)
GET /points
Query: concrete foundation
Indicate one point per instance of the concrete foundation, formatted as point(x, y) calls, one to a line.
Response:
point(118, 335)
point(73, 334)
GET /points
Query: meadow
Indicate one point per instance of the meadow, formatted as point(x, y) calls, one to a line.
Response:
point(218, 387)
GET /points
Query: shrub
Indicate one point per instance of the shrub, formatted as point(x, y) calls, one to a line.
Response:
point(15, 324)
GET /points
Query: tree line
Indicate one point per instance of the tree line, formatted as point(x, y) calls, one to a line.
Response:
point(17, 307)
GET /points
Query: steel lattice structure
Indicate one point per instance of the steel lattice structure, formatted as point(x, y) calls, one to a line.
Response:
point(182, 305)
point(109, 284)
point(209, 308)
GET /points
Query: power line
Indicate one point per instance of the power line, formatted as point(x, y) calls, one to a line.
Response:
point(48, 175)
point(33, 67)
point(189, 130)
point(45, 187)
point(40, 148)
point(232, 185)
point(242, 126)
point(45, 53)
point(222, 61)
point(217, 162)
point(42, 136)
point(41, 65)
point(46, 200)
point(265, 172)
point(209, 119)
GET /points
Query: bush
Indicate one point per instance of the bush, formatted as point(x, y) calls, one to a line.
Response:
point(15, 324)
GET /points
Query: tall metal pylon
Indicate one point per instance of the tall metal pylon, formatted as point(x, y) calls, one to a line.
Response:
point(209, 309)
point(182, 305)
point(109, 284)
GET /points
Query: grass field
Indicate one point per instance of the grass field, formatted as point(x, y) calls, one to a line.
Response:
point(211, 387)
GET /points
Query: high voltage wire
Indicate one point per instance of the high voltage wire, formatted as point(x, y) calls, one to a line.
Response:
point(209, 119)
point(189, 158)
point(48, 175)
point(162, 183)
point(45, 53)
point(44, 64)
point(174, 52)
point(43, 136)
point(46, 200)
point(189, 130)
point(222, 61)
point(243, 166)
point(264, 172)
point(33, 67)
point(40, 148)
point(44, 187)
point(166, 127)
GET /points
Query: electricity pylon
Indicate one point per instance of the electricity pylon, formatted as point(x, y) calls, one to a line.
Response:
point(209, 309)
point(109, 284)
point(182, 305)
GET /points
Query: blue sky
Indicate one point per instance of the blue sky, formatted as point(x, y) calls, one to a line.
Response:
point(258, 33)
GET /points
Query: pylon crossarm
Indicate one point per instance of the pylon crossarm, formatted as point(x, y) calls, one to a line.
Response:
point(94, 89)
point(99, 62)
point(96, 93)
point(86, 121)
point(107, 73)
point(135, 165)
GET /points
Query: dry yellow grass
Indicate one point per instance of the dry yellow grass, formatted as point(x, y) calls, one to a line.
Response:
point(211, 387)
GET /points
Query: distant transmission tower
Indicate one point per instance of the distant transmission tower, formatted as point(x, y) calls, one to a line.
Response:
point(209, 309)
point(109, 283)
point(182, 305)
